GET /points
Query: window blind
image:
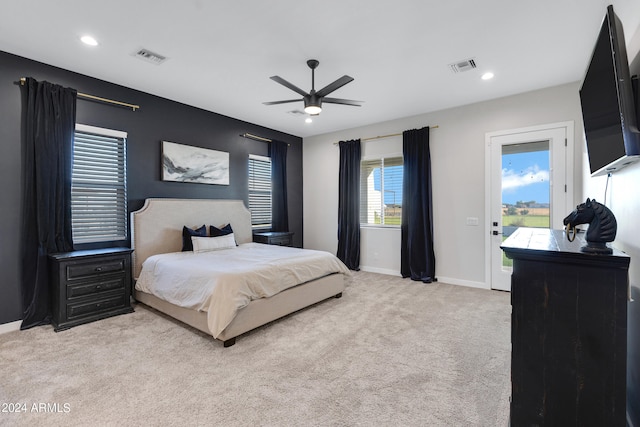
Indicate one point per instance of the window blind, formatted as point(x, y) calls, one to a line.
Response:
point(98, 188)
point(260, 191)
point(381, 191)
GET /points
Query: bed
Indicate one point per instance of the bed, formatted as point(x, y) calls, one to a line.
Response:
point(157, 229)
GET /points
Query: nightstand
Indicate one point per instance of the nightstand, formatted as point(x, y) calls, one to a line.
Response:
point(280, 238)
point(89, 285)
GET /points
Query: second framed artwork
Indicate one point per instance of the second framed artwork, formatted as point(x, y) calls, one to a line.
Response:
point(185, 163)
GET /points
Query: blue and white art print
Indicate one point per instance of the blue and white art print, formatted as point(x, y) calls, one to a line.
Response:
point(185, 163)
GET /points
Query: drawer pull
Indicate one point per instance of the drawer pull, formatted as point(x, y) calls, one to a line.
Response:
point(98, 287)
point(98, 269)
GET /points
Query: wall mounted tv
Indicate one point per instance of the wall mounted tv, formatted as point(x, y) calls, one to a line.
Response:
point(607, 99)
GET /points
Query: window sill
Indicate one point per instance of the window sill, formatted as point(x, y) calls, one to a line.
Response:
point(380, 226)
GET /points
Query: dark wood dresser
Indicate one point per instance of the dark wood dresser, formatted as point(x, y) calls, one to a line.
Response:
point(568, 331)
point(89, 285)
point(281, 238)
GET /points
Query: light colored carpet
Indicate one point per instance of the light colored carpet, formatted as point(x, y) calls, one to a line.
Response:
point(390, 352)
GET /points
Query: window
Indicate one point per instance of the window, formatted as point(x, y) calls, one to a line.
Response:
point(98, 185)
point(260, 191)
point(381, 191)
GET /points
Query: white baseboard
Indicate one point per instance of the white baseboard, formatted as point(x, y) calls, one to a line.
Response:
point(10, 327)
point(460, 282)
point(448, 280)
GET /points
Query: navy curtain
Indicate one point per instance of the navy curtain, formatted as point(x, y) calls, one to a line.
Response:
point(279, 205)
point(48, 123)
point(417, 259)
point(349, 204)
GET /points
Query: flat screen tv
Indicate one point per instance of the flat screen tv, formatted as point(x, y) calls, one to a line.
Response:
point(608, 103)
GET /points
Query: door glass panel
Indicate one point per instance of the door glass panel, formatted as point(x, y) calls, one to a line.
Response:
point(525, 188)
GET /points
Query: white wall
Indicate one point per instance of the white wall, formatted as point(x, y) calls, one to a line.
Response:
point(623, 198)
point(457, 153)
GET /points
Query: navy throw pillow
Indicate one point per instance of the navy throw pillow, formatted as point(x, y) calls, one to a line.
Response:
point(187, 232)
point(217, 232)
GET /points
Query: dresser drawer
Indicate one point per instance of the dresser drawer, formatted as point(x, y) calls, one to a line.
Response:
point(280, 241)
point(278, 238)
point(95, 306)
point(76, 271)
point(95, 287)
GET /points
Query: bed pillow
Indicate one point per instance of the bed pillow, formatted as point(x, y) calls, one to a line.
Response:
point(188, 232)
point(216, 232)
point(206, 244)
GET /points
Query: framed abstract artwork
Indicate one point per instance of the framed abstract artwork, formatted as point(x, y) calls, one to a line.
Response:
point(185, 163)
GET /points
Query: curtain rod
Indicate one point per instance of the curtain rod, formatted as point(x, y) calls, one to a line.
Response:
point(387, 136)
point(96, 98)
point(258, 138)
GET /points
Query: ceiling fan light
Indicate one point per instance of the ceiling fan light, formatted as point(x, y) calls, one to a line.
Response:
point(314, 110)
point(88, 40)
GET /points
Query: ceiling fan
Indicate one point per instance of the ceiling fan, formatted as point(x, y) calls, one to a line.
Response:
point(313, 100)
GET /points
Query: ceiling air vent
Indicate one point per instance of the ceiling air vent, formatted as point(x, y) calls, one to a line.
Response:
point(147, 55)
point(461, 66)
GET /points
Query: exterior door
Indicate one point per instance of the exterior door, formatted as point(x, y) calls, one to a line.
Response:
point(527, 170)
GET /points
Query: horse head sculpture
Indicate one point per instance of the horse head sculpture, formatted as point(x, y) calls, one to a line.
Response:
point(602, 226)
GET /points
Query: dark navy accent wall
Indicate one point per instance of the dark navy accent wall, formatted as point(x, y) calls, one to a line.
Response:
point(158, 119)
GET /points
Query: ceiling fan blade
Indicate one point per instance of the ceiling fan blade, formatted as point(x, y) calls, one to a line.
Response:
point(342, 101)
point(282, 102)
point(333, 86)
point(285, 83)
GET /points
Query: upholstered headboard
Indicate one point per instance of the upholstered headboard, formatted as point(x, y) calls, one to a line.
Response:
point(157, 227)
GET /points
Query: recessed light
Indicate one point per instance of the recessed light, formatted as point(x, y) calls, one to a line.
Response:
point(88, 40)
point(308, 120)
point(487, 76)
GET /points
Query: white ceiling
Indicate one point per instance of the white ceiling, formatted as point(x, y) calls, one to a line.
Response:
point(222, 53)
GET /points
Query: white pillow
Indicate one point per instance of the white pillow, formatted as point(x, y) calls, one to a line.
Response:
point(205, 244)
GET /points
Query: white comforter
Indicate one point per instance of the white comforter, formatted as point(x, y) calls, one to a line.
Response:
point(222, 282)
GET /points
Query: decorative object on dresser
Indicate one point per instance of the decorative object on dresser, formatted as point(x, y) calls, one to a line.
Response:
point(281, 238)
point(568, 331)
point(602, 226)
point(89, 285)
